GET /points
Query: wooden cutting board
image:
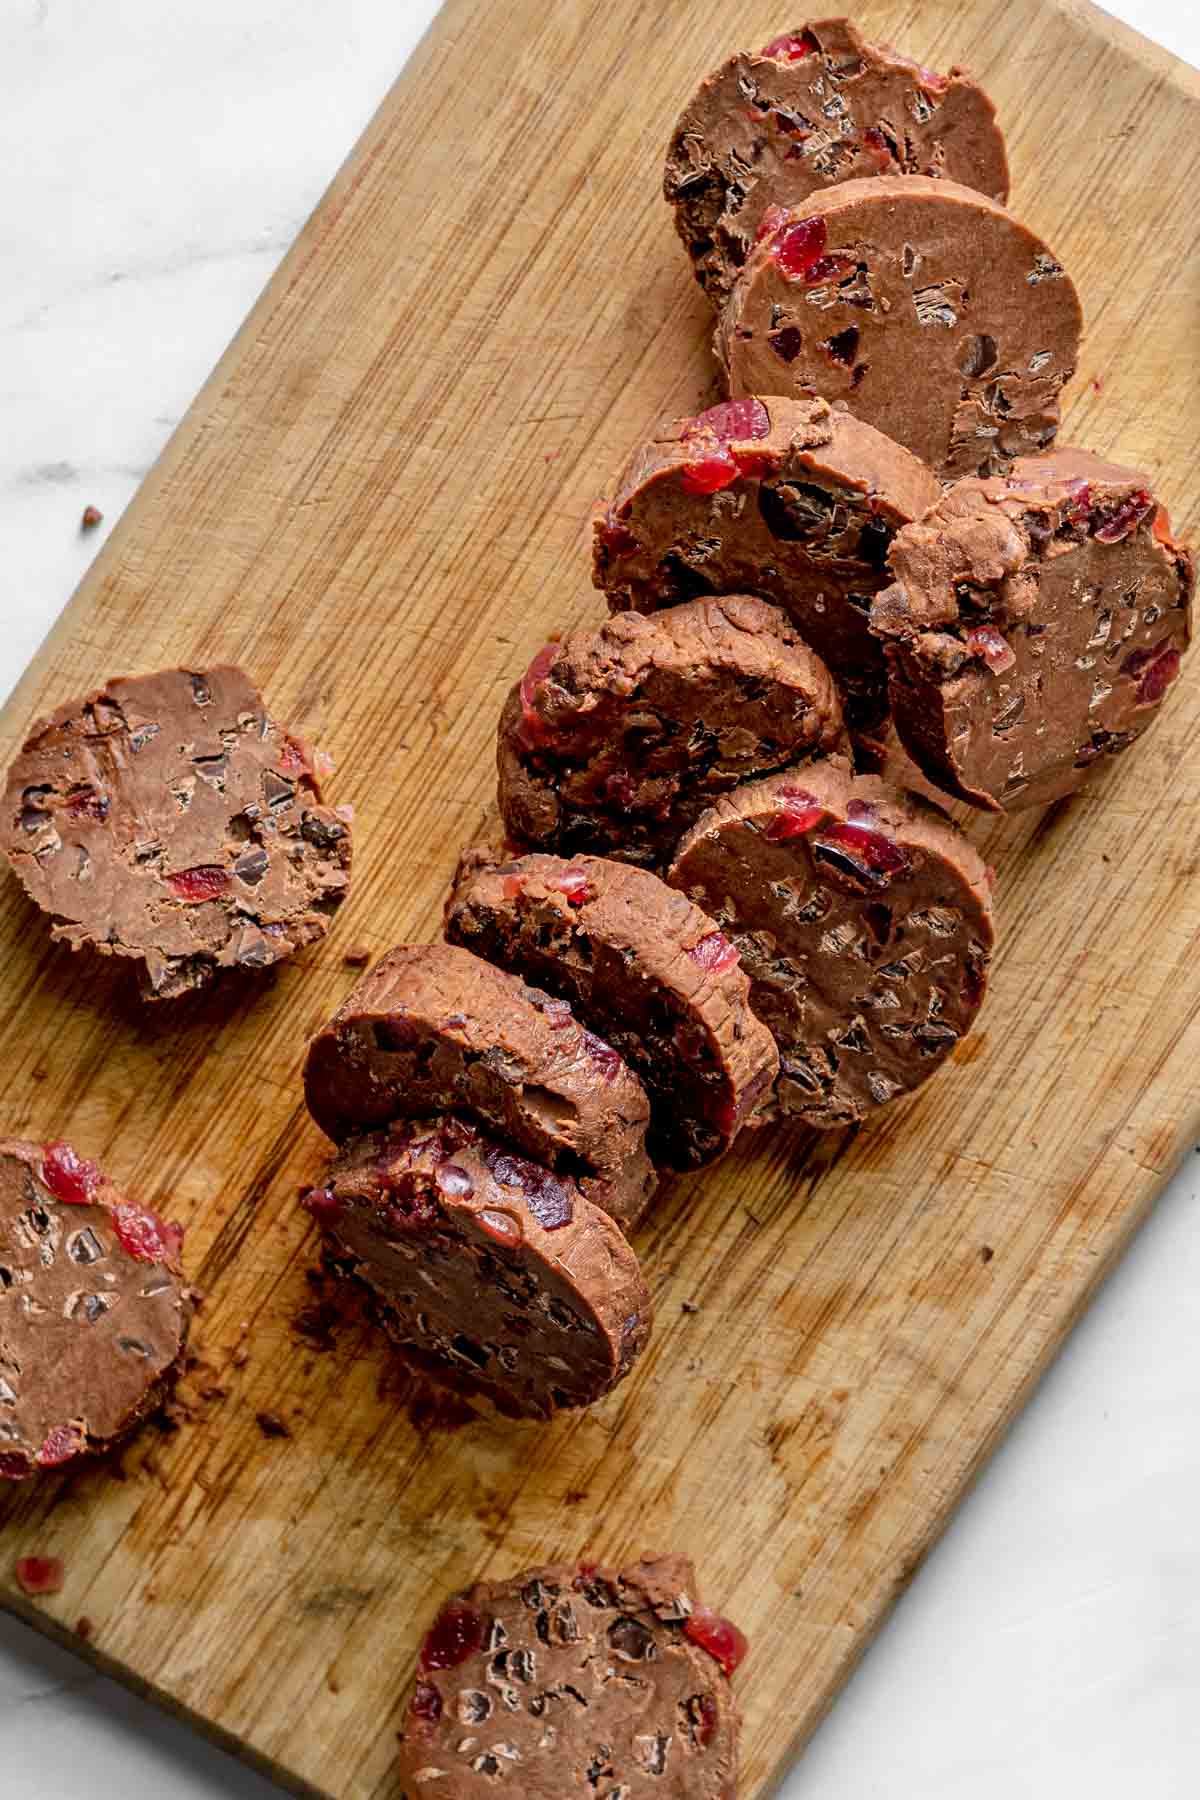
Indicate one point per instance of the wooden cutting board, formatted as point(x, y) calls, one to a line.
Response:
point(378, 505)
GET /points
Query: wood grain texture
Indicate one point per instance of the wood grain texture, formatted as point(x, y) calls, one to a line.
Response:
point(378, 504)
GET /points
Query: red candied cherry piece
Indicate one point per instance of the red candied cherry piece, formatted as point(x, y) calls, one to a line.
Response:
point(603, 1055)
point(709, 472)
point(455, 1634)
point(875, 142)
point(714, 952)
point(426, 1702)
point(706, 1724)
point(787, 342)
point(294, 757)
point(573, 884)
point(992, 646)
point(799, 812)
point(1077, 509)
point(71, 1179)
point(88, 805)
point(710, 463)
point(881, 854)
point(617, 538)
point(535, 726)
point(15, 1466)
point(1110, 528)
point(323, 1204)
point(1154, 670)
point(39, 1574)
point(723, 1641)
point(790, 46)
point(144, 1236)
point(207, 881)
point(772, 219)
point(63, 1443)
point(800, 252)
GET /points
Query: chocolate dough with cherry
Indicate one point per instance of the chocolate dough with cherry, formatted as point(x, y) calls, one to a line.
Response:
point(616, 739)
point(645, 968)
point(863, 918)
point(1035, 626)
point(784, 498)
point(485, 1263)
point(434, 1029)
point(169, 819)
point(94, 1313)
point(813, 107)
point(926, 308)
point(576, 1680)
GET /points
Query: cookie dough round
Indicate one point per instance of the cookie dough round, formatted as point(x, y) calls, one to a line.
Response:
point(169, 819)
point(783, 498)
point(94, 1313)
point(1036, 624)
point(434, 1029)
point(815, 106)
point(863, 918)
point(576, 1680)
point(617, 739)
point(925, 308)
point(645, 968)
point(486, 1263)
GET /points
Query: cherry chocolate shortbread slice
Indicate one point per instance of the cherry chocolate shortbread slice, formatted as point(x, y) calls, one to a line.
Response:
point(616, 739)
point(924, 307)
point(433, 1029)
point(783, 498)
point(641, 965)
point(484, 1264)
point(576, 1680)
point(863, 918)
point(94, 1311)
point(815, 106)
point(1035, 626)
point(169, 819)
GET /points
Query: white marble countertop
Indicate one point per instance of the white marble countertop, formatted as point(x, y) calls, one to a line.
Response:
point(158, 159)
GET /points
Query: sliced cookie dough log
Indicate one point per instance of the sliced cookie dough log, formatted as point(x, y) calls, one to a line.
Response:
point(815, 106)
point(786, 499)
point(863, 918)
point(645, 968)
point(486, 1263)
point(169, 819)
point(1036, 623)
point(434, 1029)
point(926, 308)
point(616, 740)
point(94, 1313)
point(576, 1680)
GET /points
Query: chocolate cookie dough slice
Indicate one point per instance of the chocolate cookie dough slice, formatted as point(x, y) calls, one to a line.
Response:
point(169, 819)
point(434, 1029)
point(863, 918)
point(926, 308)
point(487, 1264)
point(576, 1680)
point(815, 106)
point(786, 499)
point(616, 740)
point(93, 1310)
point(645, 968)
point(1034, 628)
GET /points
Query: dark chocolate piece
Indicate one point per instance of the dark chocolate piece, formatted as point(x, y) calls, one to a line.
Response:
point(576, 1680)
point(786, 499)
point(434, 1029)
point(864, 921)
point(643, 967)
point(167, 818)
point(93, 1310)
point(924, 307)
point(817, 105)
point(485, 1263)
point(1036, 624)
point(616, 739)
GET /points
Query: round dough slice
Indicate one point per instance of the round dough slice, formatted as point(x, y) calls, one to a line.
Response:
point(926, 308)
point(816, 106)
point(645, 968)
point(863, 918)
point(169, 819)
point(94, 1313)
point(433, 1029)
point(1035, 626)
point(786, 499)
point(616, 740)
point(576, 1680)
point(486, 1264)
